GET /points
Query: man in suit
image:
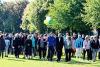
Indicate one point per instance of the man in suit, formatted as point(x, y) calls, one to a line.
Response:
point(59, 46)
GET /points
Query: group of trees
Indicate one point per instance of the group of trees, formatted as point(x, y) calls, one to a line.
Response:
point(10, 15)
point(66, 15)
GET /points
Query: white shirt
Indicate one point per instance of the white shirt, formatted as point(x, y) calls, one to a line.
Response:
point(86, 44)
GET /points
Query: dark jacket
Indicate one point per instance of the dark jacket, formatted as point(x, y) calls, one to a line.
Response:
point(17, 43)
point(94, 45)
point(28, 45)
point(2, 44)
point(59, 43)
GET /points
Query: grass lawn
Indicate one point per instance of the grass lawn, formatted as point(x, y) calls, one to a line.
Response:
point(13, 62)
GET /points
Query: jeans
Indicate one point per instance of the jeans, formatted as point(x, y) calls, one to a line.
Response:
point(50, 53)
point(6, 50)
point(94, 54)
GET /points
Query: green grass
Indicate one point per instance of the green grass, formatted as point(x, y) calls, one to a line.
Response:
point(13, 62)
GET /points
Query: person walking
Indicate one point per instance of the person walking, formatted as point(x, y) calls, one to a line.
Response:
point(73, 46)
point(59, 46)
point(95, 47)
point(7, 43)
point(33, 45)
point(44, 45)
point(67, 46)
point(86, 47)
point(2, 46)
point(79, 46)
point(51, 46)
point(40, 46)
point(17, 45)
point(91, 40)
point(28, 47)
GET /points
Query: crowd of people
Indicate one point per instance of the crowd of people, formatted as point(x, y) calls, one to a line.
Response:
point(47, 45)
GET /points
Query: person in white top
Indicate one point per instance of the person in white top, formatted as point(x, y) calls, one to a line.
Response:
point(7, 42)
point(86, 47)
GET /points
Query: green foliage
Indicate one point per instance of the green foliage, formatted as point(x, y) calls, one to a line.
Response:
point(92, 16)
point(72, 15)
point(58, 12)
point(35, 14)
point(67, 14)
point(10, 15)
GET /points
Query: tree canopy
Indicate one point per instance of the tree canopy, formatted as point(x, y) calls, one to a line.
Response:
point(92, 16)
point(66, 15)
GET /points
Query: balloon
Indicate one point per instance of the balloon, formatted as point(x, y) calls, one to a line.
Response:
point(47, 20)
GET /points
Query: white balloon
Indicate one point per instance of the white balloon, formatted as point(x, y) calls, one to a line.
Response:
point(48, 18)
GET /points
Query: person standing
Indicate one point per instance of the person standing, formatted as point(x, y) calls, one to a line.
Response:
point(59, 46)
point(28, 47)
point(45, 45)
point(79, 46)
point(91, 40)
point(7, 43)
point(67, 46)
point(11, 49)
point(95, 47)
point(17, 45)
point(51, 43)
point(33, 45)
point(86, 47)
point(40, 45)
point(73, 38)
point(2, 46)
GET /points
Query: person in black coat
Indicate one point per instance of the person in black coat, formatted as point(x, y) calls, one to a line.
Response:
point(95, 48)
point(17, 45)
point(59, 46)
point(28, 47)
point(2, 46)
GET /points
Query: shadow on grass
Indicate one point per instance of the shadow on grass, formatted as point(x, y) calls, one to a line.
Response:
point(73, 61)
point(16, 59)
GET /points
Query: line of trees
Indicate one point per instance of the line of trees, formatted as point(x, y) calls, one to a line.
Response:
point(10, 15)
point(67, 15)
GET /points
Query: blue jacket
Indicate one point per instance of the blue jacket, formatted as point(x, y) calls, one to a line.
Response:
point(51, 41)
point(33, 41)
point(79, 43)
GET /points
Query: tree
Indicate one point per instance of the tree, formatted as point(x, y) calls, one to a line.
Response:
point(92, 16)
point(10, 15)
point(67, 14)
point(59, 12)
point(35, 13)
